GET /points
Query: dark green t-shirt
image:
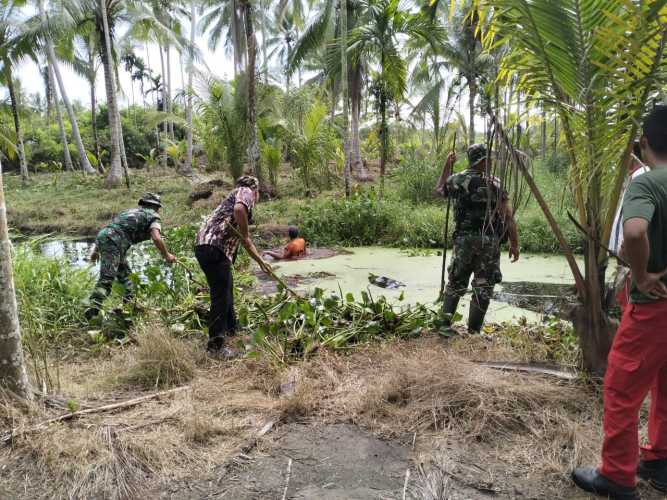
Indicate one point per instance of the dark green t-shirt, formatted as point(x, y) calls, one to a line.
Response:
point(646, 198)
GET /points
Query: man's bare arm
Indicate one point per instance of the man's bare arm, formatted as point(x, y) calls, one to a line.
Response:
point(156, 236)
point(241, 218)
point(637, 251)
point(512, 231)
point(447, 170)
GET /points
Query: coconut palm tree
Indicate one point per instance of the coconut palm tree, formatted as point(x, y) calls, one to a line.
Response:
point(85, 62)
point(375, 39)
point(53, 63)
point(14, 46)
point(597, 65)
point(324, 33)
point(224, 19)
point(254, 154)
point(52, 93)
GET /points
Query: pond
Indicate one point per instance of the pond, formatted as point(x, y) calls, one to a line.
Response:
point(536, 286)
point(532, 287)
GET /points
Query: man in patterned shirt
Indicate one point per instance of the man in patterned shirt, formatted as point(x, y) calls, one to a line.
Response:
point(217, 244)
point(113, 241)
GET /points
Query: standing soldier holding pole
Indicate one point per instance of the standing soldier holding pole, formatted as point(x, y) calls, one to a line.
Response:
point(483, 220)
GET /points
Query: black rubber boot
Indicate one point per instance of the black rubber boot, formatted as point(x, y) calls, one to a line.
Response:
point(91, 313)
point(592, 481)
point(476, 315)
point(654, 472)
point(449, 305)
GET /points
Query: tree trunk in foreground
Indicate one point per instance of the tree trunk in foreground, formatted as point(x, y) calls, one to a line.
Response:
point(23, 163)
point(53, 62)
point(251, 42)
point(69, 166)
point(13, 375)
point(472, 86)
point(93, 108)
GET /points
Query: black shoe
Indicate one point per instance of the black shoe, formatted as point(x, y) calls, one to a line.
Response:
point(654, 472)
point(592, 481)
point(476, 315)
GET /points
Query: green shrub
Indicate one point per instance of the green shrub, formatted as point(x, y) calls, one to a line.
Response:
point(416, 178)
point(361, 220)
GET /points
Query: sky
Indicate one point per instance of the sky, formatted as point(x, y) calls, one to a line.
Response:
point(219, 63)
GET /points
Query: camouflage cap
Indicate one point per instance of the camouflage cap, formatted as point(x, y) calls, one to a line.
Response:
point(151, 199)
point(476, 153)
point(248, 181)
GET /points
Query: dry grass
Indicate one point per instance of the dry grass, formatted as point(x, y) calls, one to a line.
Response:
point(460, 413)
point(522, 423)
point(159, 360)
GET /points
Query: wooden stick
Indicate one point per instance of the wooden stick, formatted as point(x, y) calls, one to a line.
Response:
point(8, 437)
point(289, 474)
point(443, 275)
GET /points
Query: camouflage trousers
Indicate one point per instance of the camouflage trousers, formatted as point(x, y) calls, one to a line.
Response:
point(112, 248)
point(474, 255)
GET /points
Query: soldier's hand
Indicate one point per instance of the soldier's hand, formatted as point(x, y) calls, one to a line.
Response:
point(514, 253)
point(170, 259)
point(94, 256)
point(451, 159)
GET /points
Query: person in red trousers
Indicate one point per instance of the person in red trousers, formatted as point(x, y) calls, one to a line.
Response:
point(637, 362)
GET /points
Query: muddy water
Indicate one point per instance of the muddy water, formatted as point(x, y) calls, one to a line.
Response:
point(536, 286)
point(533, 287)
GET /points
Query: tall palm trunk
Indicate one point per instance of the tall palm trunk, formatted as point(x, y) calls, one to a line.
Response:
point(13, 375)
point(93, 109)
point(169, 104)
point(69, 166)
point(115, 174)
point(163, 154)
point(53, 62)
point(187, 168)
point(472, 91)
point(251, 42)
point(23, 162)
point(344, 92)
point(355, 100)
point(543, 134)
point(384, 138)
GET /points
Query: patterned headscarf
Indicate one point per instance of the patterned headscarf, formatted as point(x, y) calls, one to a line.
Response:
point(248, 181)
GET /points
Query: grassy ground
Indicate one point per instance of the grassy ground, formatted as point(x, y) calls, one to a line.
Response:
point(79, 205)
point(408, 216)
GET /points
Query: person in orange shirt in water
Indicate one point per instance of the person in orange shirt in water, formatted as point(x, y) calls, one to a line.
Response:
point(296, 247)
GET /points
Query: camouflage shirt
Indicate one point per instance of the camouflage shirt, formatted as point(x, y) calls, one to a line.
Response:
point(477, 200)
point(135, 225)
point(216, 229)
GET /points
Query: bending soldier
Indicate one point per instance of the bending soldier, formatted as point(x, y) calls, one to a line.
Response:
point(483, 220)
point(113, 242)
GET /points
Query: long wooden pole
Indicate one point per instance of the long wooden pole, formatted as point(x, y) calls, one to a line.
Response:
point(443, 274)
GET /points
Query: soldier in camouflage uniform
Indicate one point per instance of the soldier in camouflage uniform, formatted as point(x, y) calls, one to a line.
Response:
point(113, 241)
point(483, 220)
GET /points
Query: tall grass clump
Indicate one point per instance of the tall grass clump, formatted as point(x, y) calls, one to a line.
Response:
point(50, 293)
point(160, 360)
